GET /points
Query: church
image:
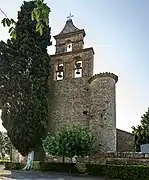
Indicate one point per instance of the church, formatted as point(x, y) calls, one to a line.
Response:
point(81, 98)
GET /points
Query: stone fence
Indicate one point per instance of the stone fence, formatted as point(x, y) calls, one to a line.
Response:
point(109, 158)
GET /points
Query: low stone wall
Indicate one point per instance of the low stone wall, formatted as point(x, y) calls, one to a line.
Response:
point(110, 158)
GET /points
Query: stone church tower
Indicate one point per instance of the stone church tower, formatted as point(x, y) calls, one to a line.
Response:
point(78, 96)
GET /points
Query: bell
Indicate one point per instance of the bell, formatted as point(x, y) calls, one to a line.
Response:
point(78, 65)
point(60, 75)
point(60, 68)
point(78, 71)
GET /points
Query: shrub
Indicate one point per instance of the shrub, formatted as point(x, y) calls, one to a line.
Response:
point(81, 167)
point(58, 167)
point(129, 172)
point(13, 166)
point(3, 161)
point(36, 165)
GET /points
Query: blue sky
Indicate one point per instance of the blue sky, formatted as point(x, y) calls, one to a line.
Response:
point(118, 30)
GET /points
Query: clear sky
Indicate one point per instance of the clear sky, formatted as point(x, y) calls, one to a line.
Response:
point(118, 30)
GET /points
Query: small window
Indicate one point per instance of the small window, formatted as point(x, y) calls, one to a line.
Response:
point(78, 69)
point(60, 72)
point(69, 46)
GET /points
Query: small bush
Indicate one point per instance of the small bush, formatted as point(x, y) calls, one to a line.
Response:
point(58, 167)
point(129, 172)
point(126, 172)
point(81, 167)
point(13, 166)
point(3, 161)
point(36, 165)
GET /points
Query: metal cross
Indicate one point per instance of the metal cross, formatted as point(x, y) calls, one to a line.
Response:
point(70, 16)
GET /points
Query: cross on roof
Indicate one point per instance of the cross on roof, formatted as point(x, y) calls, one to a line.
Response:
point(70, 16)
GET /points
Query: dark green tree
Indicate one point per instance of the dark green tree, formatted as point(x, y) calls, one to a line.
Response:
point(142, 131)
point(69, 142)
point(24, 82)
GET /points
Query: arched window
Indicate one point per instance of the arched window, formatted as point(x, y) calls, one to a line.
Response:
point(69, 46)
point(77, 67)
point(60, 72)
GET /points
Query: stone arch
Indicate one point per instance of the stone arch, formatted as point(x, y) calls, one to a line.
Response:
point(77, 65)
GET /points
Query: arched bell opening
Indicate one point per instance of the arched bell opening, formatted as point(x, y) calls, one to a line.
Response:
point(69, 46)
point(60, 72)
point(78, 68)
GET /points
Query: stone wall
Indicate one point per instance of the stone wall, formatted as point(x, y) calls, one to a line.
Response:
point(70, 101)
point(68, 59)
point(103, 111)
point(125, 141)
point(76, 39)
point(89, 103)
point(109, 158)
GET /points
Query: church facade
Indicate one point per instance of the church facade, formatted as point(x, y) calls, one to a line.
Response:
point(78, 97)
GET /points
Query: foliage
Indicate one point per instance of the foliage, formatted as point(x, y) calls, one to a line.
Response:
point(24, 77)
point(128, 172)
point(69, 142)
point(13, 166)
point(3, 161)
point(142, 131)
point(36, 165)
point(81, 166)
point(11, 24)
point(40, 14)
point(5, 144)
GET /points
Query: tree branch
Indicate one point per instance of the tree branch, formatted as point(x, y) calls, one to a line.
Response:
point(3, 12)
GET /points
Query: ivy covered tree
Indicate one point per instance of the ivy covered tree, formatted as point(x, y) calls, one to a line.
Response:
point(142, 131)
point(70, 142)
point(24, 82)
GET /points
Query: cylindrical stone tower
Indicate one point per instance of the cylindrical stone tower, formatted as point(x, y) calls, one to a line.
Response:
point(103, 110)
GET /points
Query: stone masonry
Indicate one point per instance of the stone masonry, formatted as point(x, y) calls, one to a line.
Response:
point(125, 141)
point(86, 100)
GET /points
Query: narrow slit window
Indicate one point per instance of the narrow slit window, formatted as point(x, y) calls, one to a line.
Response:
point(69, 47)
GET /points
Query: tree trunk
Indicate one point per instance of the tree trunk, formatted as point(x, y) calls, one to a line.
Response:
point(63, 159)
point(29, 163)
point(39, 153)
point(70, 169)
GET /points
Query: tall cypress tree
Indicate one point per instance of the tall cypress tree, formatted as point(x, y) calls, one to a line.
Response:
point(24, 82)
